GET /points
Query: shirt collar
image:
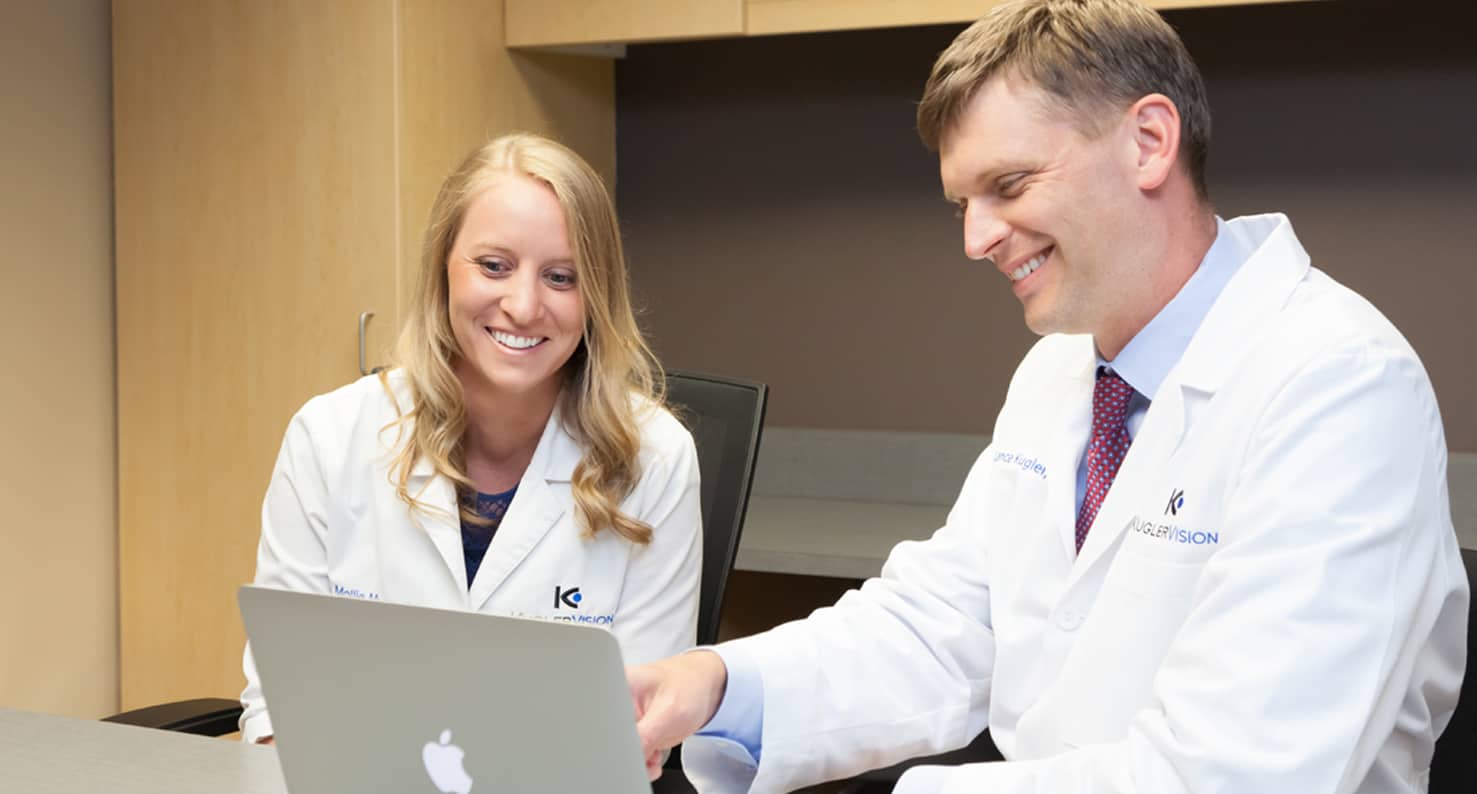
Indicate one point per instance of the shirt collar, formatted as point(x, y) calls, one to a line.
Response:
point(1147, 358)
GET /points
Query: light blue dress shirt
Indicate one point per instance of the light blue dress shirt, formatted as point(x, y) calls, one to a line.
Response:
point(1144, 363)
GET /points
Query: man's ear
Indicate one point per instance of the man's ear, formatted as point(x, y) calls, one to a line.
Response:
point(1156, 138)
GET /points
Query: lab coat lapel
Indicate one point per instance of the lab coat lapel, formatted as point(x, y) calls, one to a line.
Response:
point(1262, 286)
point(1065, 449)
point(441, 518)
point(535, 510)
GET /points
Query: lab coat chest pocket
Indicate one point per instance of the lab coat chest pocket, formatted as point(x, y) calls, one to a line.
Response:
point(1143, 602)
point(573, 580)
point(1180, 518)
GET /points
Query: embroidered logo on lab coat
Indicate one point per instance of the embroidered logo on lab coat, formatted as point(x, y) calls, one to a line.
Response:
point(568, 597)
point(1170, 532)
point(354, 592)
point(1026, 463)
point(1176, 501)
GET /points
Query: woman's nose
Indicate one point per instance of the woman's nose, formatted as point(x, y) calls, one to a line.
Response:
point(521, 301)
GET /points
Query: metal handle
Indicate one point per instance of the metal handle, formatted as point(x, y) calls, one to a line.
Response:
point(363, 322)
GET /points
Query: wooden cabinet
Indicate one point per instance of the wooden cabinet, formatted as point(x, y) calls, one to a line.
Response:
point(558, 23)
point(543, 23)
point(274, 164)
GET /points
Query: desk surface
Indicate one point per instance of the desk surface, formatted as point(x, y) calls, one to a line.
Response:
point(47, 754)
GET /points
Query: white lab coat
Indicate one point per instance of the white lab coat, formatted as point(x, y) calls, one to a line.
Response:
point(331, 523)
point(1295, 622)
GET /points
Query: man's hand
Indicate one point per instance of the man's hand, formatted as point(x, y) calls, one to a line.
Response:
point(674, 697)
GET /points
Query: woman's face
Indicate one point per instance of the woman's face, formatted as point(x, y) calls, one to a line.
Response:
point(514, 304)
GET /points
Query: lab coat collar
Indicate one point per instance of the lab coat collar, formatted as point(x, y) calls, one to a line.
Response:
point(1262, 286)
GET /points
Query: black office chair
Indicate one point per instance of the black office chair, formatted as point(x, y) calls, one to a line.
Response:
point(726, 418)
point(202, 716)
point(1454, 766)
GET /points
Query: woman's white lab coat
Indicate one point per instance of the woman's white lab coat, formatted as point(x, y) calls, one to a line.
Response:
point(1271, 598)
point(331, 523)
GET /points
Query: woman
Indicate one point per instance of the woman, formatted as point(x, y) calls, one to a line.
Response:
point(517, 460)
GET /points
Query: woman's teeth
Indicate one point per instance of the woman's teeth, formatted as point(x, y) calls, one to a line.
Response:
point(516, 342)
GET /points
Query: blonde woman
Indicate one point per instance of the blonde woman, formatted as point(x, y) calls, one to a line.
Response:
point(518, 459)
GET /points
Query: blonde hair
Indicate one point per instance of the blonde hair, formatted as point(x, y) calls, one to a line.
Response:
point(1091, 56)
point(611, 375)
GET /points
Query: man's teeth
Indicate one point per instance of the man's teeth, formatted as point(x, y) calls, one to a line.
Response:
point(1029, 267)
point(517, 342)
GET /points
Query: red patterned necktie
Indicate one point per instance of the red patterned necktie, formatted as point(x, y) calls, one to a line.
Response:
point(1109, 443)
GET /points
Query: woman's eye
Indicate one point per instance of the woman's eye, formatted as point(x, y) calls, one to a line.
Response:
point(560, 279)
point(494, 266)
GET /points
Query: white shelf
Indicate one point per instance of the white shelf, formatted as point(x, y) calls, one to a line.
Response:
point(829, 537)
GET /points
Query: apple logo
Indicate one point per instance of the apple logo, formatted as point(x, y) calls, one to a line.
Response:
point(444, 764)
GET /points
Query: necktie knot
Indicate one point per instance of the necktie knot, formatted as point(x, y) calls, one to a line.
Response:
point(1110, 396)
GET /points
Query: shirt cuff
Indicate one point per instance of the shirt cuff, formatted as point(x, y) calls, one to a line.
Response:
point(740, 715)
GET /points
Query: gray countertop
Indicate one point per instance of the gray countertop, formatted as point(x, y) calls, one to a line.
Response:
point(47, 754)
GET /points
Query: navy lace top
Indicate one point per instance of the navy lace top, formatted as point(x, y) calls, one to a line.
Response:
point(476, 537)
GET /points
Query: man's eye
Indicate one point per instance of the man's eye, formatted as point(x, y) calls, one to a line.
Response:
point(1010, 188)
point(959, 208)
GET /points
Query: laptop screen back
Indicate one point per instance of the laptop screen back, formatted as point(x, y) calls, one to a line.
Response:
point(372, 696)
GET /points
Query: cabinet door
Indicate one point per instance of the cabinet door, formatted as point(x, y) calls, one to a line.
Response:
point(256, 219)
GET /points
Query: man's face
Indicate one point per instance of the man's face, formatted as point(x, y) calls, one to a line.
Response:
point(1050, 208)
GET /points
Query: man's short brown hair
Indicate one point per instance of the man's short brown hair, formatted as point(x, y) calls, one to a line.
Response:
point(1093, 56)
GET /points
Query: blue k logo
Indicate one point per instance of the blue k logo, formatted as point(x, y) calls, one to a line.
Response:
point(1176, 501)
point(570, 598)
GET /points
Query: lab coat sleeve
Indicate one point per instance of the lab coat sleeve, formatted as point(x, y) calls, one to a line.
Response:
point(1290, 671)
point(897, 669)
point(291, 554)
point(659, 600)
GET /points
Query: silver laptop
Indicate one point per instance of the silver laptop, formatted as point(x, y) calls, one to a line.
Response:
point(370, 696)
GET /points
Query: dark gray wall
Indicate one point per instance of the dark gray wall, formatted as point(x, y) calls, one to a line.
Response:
point(784, 224)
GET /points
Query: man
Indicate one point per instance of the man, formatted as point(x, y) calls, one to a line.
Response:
point(1234, 569)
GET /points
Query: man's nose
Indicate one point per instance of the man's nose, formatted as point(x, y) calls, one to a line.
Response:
point(983, 232)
